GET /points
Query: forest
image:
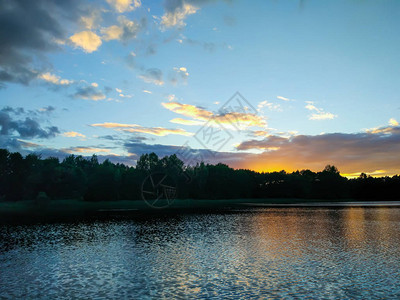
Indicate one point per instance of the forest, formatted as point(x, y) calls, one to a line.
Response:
point(77, 177)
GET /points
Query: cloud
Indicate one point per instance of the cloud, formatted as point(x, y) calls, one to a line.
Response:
point(113, 125)
point(351, 152)
point(130, 29)
point(102, 153)
point(125, 96)
point(29, 29)
point(17, 111)
point(158, 131)
point(267, 143)
point(73, 134)
point(113, 32)
point(188, 110)
point(310, 106)
point(393, 122)
point(269, 105)
point(322, 116)
point(228, 118)
point(264, 133)
point(208, 46)
point(320, 113)
point(25, 144)
point(91, 20)
point(92, 150)
point(186, 122)
point(392, 128)
point(89, 93)
point(283, 98)
point(25, 128)
point(147, 92)
point(179, 74)
point(154, 76)
point(171, 97)
point(126, 30)
point(122, 6)
point(48, 109)
point(176, 16)
point(142, 148)
point(188, 155)
point(54, 79)
point(87, 40)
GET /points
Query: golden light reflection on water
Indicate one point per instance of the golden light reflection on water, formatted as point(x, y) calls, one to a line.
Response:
point(285, 232)
point(354, 225)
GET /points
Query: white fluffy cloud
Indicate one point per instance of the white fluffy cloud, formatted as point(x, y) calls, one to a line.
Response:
point(87, 40)
point(73, 134)
point(54, 79)
point(113, 32)
point(176, 18)
point(122, 6)
point(393, 122)
point(319, 113)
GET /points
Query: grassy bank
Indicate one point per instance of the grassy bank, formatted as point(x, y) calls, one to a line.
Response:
point(72, 209)
point(78, 208)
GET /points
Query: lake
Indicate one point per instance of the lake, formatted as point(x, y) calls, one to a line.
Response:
point(306, 252)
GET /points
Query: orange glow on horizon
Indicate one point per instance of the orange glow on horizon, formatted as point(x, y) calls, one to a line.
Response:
point(289, 168)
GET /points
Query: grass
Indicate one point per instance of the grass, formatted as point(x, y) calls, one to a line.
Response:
point(73, 207)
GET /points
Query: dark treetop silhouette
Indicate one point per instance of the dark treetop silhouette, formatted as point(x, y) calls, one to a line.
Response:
point(75, 177)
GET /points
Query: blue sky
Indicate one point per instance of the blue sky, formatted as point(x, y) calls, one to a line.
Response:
point(118, 78)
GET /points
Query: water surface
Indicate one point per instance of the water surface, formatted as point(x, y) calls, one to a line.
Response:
point(250, 253)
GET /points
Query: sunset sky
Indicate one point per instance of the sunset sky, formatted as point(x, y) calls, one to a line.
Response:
point(263, 85)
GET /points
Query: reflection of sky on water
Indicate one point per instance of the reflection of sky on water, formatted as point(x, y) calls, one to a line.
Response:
point(350, 252)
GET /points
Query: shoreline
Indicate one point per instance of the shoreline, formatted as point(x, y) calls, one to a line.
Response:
point(58, 210)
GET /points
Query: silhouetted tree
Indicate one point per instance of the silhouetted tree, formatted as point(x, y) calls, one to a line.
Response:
point(77, 176)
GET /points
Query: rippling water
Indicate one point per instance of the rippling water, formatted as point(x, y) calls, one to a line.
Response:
point(285, 252)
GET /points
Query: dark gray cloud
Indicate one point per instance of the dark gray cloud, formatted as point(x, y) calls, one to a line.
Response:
point(11, 144)
point(109, 137)
point(178, 75)
point(47, 110)
point(25, 128)
point(28, 29)
point(142, 148)
point(130, 29)
point(16, 111)
point(19, 111)
point(151, 49)
point(207, 46)
point(153, 75)
point(108, 89)
point(187, 154)
point(15, 145)
point(130, 61)
point(89, 93)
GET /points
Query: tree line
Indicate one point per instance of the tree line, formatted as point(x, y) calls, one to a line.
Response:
point(77, 177)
